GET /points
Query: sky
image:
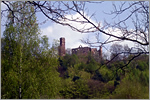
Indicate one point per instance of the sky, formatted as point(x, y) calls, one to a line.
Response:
point(73, 38)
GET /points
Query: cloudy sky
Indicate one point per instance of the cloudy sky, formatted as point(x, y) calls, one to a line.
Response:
point(73, 38)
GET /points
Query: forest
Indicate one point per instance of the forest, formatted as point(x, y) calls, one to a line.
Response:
point(32, 69)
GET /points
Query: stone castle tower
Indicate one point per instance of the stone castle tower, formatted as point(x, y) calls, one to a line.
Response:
point(62, 47)
point(100, 51)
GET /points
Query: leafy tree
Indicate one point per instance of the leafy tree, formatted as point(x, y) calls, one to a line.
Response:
point(75, 90)
point(18, 40)
point(44, 43)
point(130, 89)
point(28, 67)
point(107, 75)
point(55, 46)
point(68, 61)
point(142, 65)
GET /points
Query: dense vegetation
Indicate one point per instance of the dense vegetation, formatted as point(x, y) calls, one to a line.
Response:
point(28, 63)
point(67, 77)
point(83, 81)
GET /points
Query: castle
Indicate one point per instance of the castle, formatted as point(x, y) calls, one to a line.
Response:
point(80, 51)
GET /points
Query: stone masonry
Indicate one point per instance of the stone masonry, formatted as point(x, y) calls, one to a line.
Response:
point(62, 51)
point(80, 51)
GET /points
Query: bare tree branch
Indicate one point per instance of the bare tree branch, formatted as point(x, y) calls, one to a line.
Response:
point(58, 11)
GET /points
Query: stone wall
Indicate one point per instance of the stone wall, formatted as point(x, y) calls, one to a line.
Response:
point(82, 51)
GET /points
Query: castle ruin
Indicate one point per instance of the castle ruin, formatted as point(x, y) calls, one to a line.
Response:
point(62, 51)
point(80, 51)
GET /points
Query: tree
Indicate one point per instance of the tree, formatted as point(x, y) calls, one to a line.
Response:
point(28, 69)
point(18, 39)
point(115, 50)
point(55, 46)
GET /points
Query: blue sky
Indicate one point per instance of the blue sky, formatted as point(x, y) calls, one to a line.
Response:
point(55, 31)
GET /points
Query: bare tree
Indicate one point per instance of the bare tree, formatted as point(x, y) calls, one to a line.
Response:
point(58, 11)
point(116, 49)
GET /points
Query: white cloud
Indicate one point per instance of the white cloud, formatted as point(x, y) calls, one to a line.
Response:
point(72, 38)
point(79, 22)
point(56, 31)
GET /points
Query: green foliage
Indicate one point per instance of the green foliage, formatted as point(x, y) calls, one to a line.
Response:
point(26, 59)
point(134, 85)
point(141, 77)
point(72, 72)
point(106, 73)
point(10, 82)
point(142, 65)
point(130, 90)
point(91, 67)
point(81, 66)
point(71, 60)
point(29, 63)
point(75, 71)
point(49, 79)
point(99, 90)
point(55, 45)
point(75, 90)
point(68, 61)
point(44, 42)
point(84, 75)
